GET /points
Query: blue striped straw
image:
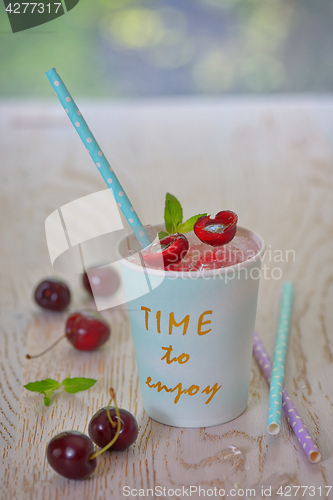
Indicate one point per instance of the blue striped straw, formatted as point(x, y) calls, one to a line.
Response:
point(277, 376)
point(98, 157)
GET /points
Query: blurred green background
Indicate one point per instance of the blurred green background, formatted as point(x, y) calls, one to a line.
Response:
point(141, 48)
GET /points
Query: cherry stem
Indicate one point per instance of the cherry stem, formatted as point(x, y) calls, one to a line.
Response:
point(113, 424)
point(114, 439)
point(46, 350)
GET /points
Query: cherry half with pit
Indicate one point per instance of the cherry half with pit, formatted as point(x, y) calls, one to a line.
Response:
point(172, 249)
point(217, 231)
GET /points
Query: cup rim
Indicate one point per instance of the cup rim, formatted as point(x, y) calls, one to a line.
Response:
point(241, 231)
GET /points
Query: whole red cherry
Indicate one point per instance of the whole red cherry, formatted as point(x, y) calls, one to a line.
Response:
point(69, 454)
point(87, 330)
point(104, 280)
point(216, 231)
point(52, 294)
point(101, 431)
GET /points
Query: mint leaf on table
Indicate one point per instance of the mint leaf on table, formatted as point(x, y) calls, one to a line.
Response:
point(45, 387)
point(173, 213)
point(73, 385)
point(188, 226)
point(48, 386)
point(47, 398)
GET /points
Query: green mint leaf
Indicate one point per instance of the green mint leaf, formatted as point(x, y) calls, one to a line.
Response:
point(47, 401)
point(173, 213)
point(162, 234)
point(189, 224)
point(76, 384)
point(47, 398)
point(43, 385)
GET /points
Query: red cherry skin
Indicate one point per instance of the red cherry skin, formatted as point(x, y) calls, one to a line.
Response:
point(105, 281)
point(52, 294)
point(68, 454)
point(87, 330)
point(173, 249)
point(101, 431)
point(217, 231)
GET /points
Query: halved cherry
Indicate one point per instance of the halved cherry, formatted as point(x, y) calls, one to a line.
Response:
point(217, 231)
point(172, 249)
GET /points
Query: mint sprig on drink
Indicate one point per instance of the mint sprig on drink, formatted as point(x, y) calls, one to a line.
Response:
point(173, 218)
point(70, 385)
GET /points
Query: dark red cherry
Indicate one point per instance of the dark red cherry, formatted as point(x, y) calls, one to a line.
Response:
point(87, 330)
point(101, 431)
point(172, 249)
point(52, 294)
point(104, 281)
point(69, 454)
point(217, 231)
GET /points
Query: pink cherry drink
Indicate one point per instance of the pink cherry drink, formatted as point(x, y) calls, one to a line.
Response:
point(213, 244)
point(203, 257)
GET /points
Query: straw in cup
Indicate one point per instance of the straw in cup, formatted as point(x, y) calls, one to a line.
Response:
point(97, 155)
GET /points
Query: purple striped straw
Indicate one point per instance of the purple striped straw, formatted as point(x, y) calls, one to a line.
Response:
point(308, 444)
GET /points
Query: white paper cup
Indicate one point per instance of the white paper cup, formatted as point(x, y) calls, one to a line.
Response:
point(195, 374)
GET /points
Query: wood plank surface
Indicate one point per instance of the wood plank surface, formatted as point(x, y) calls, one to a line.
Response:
point(269, 160)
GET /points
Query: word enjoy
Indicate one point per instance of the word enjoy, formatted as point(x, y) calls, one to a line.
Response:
point(191, 391)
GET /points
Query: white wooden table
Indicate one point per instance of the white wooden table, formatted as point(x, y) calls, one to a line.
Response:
point(269, 160)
